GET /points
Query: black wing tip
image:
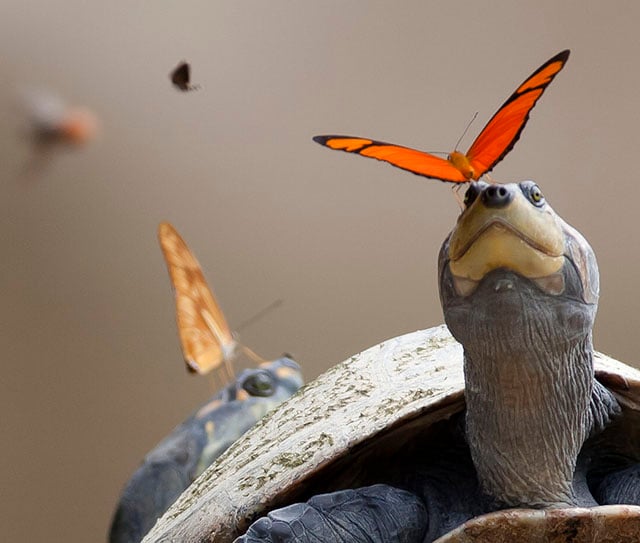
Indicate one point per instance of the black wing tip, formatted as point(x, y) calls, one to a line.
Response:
point(322, 140)
point(561, 56)
point(192, 366)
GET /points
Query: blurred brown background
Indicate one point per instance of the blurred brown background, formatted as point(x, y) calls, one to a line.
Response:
point(92, 372)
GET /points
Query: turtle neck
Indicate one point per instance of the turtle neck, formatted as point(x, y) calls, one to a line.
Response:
point(529, 388)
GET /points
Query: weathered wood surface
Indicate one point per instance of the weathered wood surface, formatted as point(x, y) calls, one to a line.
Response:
point(398, 380)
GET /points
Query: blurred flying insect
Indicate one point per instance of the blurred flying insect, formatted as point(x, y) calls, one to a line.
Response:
point(181, 77)
point(207, 341)
point(52, 125)
point(52, 122)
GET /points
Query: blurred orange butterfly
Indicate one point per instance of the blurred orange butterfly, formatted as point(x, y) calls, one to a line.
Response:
point(52, 121)
point(207, 341)
point(496, 139)
point(53, 126)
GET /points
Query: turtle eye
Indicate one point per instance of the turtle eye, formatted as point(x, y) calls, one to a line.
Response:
point(470, 196)
point(536, 196)
point(259, 383)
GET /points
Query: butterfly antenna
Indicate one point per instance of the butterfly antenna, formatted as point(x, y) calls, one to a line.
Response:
point(465, 130)
point(257, 316)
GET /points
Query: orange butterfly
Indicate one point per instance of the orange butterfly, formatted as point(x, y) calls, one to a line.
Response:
point(207, 341)
point(496, 139)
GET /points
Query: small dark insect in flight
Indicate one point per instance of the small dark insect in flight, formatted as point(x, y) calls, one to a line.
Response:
point(181, 77)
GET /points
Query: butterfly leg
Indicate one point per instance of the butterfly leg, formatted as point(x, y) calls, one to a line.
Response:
point(228, 370)
point(223, 374)
point(490, 179)
point(455, 190)
point(253, 356)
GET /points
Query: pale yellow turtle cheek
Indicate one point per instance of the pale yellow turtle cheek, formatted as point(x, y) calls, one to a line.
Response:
point(242, 395)
point(284, 372)
point(541, 227)
point(208, 408)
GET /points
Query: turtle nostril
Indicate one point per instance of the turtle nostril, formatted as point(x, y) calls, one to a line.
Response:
point(497, 196)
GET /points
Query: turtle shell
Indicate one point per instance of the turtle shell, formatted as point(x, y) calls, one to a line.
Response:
point(350, 417)
point(604, 524)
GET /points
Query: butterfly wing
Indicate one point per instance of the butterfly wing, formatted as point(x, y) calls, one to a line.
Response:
point(412, 160)
point(503, 130)
point(204, 332)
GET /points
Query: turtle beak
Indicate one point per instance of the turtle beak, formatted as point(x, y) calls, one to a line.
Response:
point(511, 227)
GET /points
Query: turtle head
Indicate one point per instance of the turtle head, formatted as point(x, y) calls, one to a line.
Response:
point(512, 227)
point(267, 385)
point(276, 380)
point(511, 257)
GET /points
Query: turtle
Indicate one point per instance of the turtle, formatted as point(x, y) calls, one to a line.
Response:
point(170, 467)
point(505, 425)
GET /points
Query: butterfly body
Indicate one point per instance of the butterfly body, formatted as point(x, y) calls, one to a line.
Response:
point(460, 161)
point(496, 139)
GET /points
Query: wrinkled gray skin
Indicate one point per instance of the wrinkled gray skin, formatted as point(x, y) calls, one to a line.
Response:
point(192, 446)
point(532, 402)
